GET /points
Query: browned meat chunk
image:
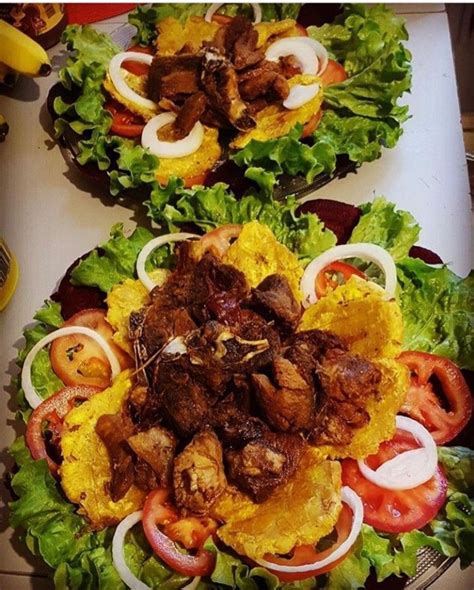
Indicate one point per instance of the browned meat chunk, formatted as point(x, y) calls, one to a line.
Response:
point(290, 66)
point(289, 405)
point(157, 447)
point(145, 478)
point(198, 474)
point(347, 382)
point(173, 76)
point(263, 464)
point(263, 80)
point(189, 115)
point(161, 325)
point(275, 301)
point(221, 85)
point(281, 88)
point(234, 425)
point(113, 429)
point(240, 42)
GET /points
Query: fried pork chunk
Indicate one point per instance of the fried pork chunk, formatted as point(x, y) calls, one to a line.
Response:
point(239, 43)
point(174, 76)
point(274, 300)
point(157, 447)
point(198, 473)
point(264, 463)
point(220, 83)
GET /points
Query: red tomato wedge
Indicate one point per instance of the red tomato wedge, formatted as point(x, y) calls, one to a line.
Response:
point(124, 122)
point(51, 414)
point(191, 532)
point(218, 240)
point(424, 405)
point(78, 360)
point(395, 511)
point(308, 553)
point(312, 124)
point(134, 67)
point(335, 274)
point(333, 74)
point(157, 512)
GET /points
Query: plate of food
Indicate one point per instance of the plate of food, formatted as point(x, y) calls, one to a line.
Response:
point(209, 93)
point(255, 399)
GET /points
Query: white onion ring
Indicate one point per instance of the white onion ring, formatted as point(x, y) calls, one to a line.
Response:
point(355, 503)
point(303, 52)
point(171, 149)
point(409, 469)
point(300, 95)
point(257, 12)
point(319, 50)
point(122, 568)
point(31, 396)
point(118, 558)
point(370, 252)
point(118, 81)
point(152, 245)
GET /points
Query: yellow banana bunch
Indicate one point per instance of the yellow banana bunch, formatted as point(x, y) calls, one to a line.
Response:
point(20, 53)
point(3, 128)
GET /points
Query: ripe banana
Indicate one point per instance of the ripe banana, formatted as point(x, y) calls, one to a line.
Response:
point(3, 128)
point(7, 76)
point(22, 54)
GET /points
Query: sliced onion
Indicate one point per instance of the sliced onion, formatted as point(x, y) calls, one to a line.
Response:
point(320, 51)
point(120, 565)
point(305, 54)
point(116, 75)
point(31, 396)
point(152, 245)
point(370, 252)
point(355, 503)
point(409, 469)
point(171, 149)
point(117, 552)
point(300, 95)
point(213, 8)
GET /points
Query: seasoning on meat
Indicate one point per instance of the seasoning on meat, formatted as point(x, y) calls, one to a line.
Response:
point(274, 300)
point(156, 446)
point(172, 76)
point(189, 114)
point(198, 474)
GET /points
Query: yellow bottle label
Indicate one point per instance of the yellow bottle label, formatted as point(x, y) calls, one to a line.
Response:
point(8, 275)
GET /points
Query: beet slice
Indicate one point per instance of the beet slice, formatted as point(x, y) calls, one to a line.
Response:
point(424, 254)
point(74, 298)
point(341, 218)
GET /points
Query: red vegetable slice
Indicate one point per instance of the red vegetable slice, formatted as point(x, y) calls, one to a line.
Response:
point(327, 279)
point(424, 405)
point(52, 412)
point(396, 511)
point(157, 512)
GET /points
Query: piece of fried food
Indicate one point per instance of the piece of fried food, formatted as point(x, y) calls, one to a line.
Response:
point(125, 298)
point(357, 312)
point(85, 471)
point(275, 120)
point(174, 36)
point(136, 83)
point(258, 254)
point(300, 512)
point(269, 31)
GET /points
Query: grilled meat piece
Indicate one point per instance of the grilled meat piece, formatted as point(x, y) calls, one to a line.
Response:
point(161, 325)
point(190, 113)
point(156, 447)
point(198, 473)
point(113, 430)
point(240, 43)
point(221, 86)
point(234, 425)
point(274, 300)
point(347, 382)
point(173, 76)
point(264, 463)
point(289, 66)
point(289, 405)
point(265, 80)
point(145, 478)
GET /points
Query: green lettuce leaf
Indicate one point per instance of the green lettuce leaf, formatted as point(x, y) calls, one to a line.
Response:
point(458, 463)
point(211, 207)
point(438, 311)
point(114, 260)
point(382, 224)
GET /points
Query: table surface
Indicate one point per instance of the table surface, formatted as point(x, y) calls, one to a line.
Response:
point(49, 215)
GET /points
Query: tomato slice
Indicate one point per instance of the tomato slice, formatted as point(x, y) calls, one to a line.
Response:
point(333, 275)
point(134, 67)
point(157, 512)
point(191, 532)
point(423, 404)
point(218, 240)
point(124, 122)
point(78, 360)
point(51, 414)
point(333, 74)
point(308, 553)
point(396, 511)
point(311, 126)
point(302, 30)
